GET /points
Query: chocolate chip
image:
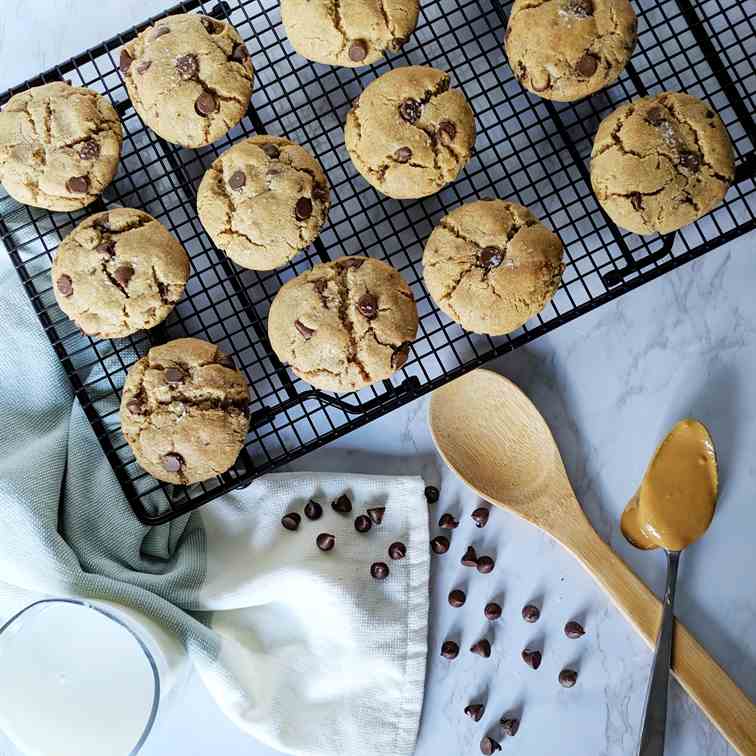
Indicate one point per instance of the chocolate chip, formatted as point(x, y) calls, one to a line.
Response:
point(106, 248)
point(125, 61)
point(397, 43)
point(530, 613)
point(123, 274)
point(636, 200)
point(469, 558)
point(325, 541)
point(174, 375)
point(226, 360)
point(304, 331)
point(655, 116)
point(342, 505)
point(144, 66)
point(135, 406)
point(89, 150)
point(397, 550)
point(172, 462)
point(431, 494)
point(440, 545)
point(291, 521)
point(65, 285)
point(313, 510)
point(475, 711)
point(489, 746)
point(353, 262)
point(492, 611)
point(568, 678)
point(240, 53)
point(457, 598)
point(362, 523)
point(709, 114)
point(587, 65)
point(532, 658)
point(410, 110)
point(376, 514)
point(579, 8)
point(480, 517)
point(358, 50)
point(368, 306)
point(690, 160)
point(271, 150)
point(403, 155)
point(187, 66)
point(491, 257)
point(319, 193)
point(303, 208)
point(482, 648)
point(446, 132)
point(160, 31)
point(574, 630)
point(449, 650)
point(211, 25)
point(399, 356)
point(238, 180)
point(379, 570)
point(78, 184)
point(447, 522)
point(206, 104)
point(510, 726)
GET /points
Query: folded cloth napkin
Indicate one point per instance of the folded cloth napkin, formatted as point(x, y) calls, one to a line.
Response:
point(302, 649)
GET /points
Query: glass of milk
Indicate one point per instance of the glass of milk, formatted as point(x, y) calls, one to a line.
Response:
point(76, 680)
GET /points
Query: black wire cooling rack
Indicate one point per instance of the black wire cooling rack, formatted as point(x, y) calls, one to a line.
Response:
point(527, 149)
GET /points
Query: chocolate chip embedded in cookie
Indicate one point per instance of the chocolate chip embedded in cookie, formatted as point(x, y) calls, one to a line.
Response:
point(59, 146)
point(340, 325)
point(661, 162)
point(263, 200)
point(410, 134)
point(568, 49)
point(492, 265)
point(119, 272)
point(189, 77)
point(187, 430)
point(351, 34)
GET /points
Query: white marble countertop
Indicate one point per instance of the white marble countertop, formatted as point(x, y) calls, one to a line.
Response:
point(610, 384)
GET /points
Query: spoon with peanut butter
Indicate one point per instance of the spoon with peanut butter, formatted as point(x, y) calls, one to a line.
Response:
point(671, 509)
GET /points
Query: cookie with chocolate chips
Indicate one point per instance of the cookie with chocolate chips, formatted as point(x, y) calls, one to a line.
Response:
point(348, 33)
point(409, 133)
point(184, 411)
point(344, 324)
point(263, 200)
point(661, 162)
point(119, 272)
point(568, 49)
point(491, 265)
point(189, 77)
point(59, 146)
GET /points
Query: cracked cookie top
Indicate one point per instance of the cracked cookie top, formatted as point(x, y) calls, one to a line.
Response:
point(263, 201)
point(491, 265)
point(344, 324)
point(567, 49)
point(59, 146)
point(189, 77)
point(409, 134)
point(118, 272)
point(348, 32)
point(661, 162)
point(184, 411)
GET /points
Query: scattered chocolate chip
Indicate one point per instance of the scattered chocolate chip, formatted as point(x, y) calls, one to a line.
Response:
point(174, 375)
point(440, 545)
point(636, 200)
point(313, 510)
point(403, 155)
point(135, 406)
point(449, 649)
point(206, 104)
point(144, 66)
point(303, 208)
point(172, 462)
point(431, 494)
point(587, 65)
point(457, 598)
point(227, 361)
point(410, 110)
point(530, 613)
point(480, 517)
point(376, 514)
point(271, 150)
point(238, 180)
point(579, 8)
point(510, 726)
point(655, 116)
point(489, 746)
point(325, 541)
point(89, 150)
point(353, 262)
point(106, 248)
point(447, 131)
point(123, 274)
point(211, 25)
point(362, 523)
point(485, 565)
point(397, 550)
point(532, 658)
point(304, 331)
point(358, 50)
point(491, 257)
point(342, 505)
point(240, 53)
point(469, 558)
point(187, 66)
point(65, 285)
point(397, 43)
point(78, 184)
point(319, 193)
point(690, 161)
point(368, 306)
point(709, 114)
point(125, 61)
point(379, 570)
point(567, 678)
point(291, 521)
point(574, 630)
point(482, 648)
point(447, 522)
point(399, 356)
point(492, 611)
point(475, 711)
point(160, 31)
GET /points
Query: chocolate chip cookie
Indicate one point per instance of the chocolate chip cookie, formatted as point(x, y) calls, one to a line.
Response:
point(347, 33)
point(409, 134)
point(491, 265)
point(184, 411)
point(568, 49)
point(59, 146)
point(189, 78)
point(344, 324)
point(661, 162)
point(263, 201)
point(119, 272)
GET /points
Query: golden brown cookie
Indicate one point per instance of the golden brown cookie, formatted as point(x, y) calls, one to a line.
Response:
point(491, 265)
point(184, 411)
point(344, 324)
point(661, 162)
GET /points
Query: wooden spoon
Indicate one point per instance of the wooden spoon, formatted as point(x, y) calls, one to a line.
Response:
point(495, 439)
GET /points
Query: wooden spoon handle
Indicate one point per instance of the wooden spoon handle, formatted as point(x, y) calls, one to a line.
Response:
point(731, 711)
